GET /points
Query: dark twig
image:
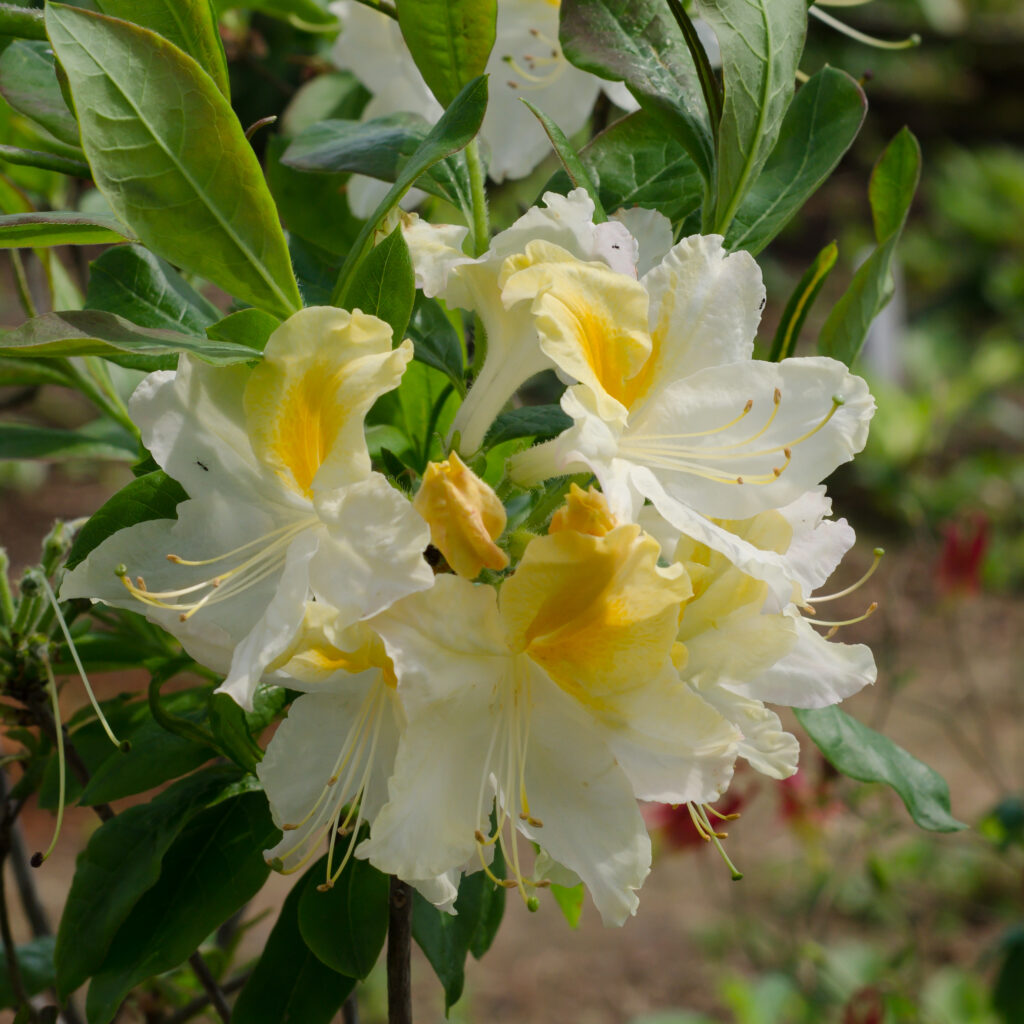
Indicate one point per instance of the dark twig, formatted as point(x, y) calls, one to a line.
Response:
point(200, 1003)
point(24, 876)
point(10, 950)
point(215, 995)
point(400, 953)
point(350, 1011)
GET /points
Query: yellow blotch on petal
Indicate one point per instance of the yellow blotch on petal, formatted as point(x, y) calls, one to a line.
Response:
point(585, 512)
point(322, 370)
point(596, 612)
point(318, 650)
point(465, 517)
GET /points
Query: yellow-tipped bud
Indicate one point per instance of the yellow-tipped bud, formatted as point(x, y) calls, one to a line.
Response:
point(465, 517)
point(584, 512)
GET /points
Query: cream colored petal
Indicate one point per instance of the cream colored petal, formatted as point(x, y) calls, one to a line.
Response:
point(323, 369)
point(652, 231)
point(765, 745)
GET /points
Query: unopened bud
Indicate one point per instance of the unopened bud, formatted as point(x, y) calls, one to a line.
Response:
point(584, 512)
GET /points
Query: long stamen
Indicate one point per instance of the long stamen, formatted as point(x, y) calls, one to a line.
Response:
point(715, 838)
point(872, 608)
point(862, 37)
point(701, 433)
point(125, 746)
point(879, 552)
point(51, 686)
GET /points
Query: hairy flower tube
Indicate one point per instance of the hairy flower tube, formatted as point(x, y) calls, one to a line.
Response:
point(283, 505)
point(556, 702)
point(669, 405)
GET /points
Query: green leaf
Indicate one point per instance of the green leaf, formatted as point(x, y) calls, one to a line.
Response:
point(29, 372)
point(868, 756)
point(28, 81)
point(446, 940)
point(17, 21)
point(35, 959)
point(230, 729)
point(456, 128)
point(45, 162)
point(130, 281)
point(213, 868)
point(312, 205)
point(58, 227)
point(346, 925)
point(640, 42)
point(635, 162)
point(378, 148)
point(893, 184)
point(435, 340)
point(120, 863)
point(153, 496)
point(290, 984)
point(570, 160)
point(817, 130)
point(89, 332)
point(26, 441)
point(1008, 992)
point(249, 327)
point(450, 41)
point(800, 302)
point(190, 24)
point(384, 284)
point(169, 154)
point(538, 421)
point(761, 43)
point(570, 902)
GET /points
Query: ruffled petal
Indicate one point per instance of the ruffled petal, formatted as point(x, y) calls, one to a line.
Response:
point(818, 544)
point(765, 744)
point(652, 231)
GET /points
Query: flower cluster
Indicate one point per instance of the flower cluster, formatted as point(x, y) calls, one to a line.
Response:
point(523, 689)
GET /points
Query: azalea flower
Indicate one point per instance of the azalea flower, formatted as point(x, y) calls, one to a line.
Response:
point(739, 647)
point(670, 406)
point(527, 62)
point(326, 768)
point(283, 506)
point(558, 702)
point(514, 351)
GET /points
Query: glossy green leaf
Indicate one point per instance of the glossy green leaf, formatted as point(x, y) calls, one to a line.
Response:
point(346, 925)
point(640, 42)
point(27, 441)
point(29, 372)
point(94, 333)
point(378, 148)
point(800, 302)
point(190, 24)
point(435, 340)
point(446, 940)
point(35, 959)
point(450, 41)
point(761, 43)
point(231, 731)
point(171, 158)
point(384, 284)
point(249, 327)
point(570, 902)
point(290, 984)
point(133, 283)
point(28, 81)
point(570, 160)
point(454, 131)
point(893, 184)
point(212, 869)
point(818, 128)
point(335, 94)
point(153, 496)
point(537, 421)
point(58, 227)
point(868, 756)
point(635, 162)
point(121, 862)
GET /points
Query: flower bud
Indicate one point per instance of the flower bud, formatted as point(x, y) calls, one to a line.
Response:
point(465, 517)
point(584, 512)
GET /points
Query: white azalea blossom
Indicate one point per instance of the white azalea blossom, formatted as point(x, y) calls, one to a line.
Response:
point(526, 63)
point(514, 351)
point(558, 701)
point(283, 506)
point(739, 647)
point(670, 407)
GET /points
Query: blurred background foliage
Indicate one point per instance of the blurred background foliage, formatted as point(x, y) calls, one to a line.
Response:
point(850, 916)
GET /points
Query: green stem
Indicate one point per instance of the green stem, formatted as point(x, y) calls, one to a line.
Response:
point(6, 597)
point(117, 412)
point(705, 73)
point(21, 282)
point(172, 723)
point(481, 225)
point(381, 5)
point(21, 22)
